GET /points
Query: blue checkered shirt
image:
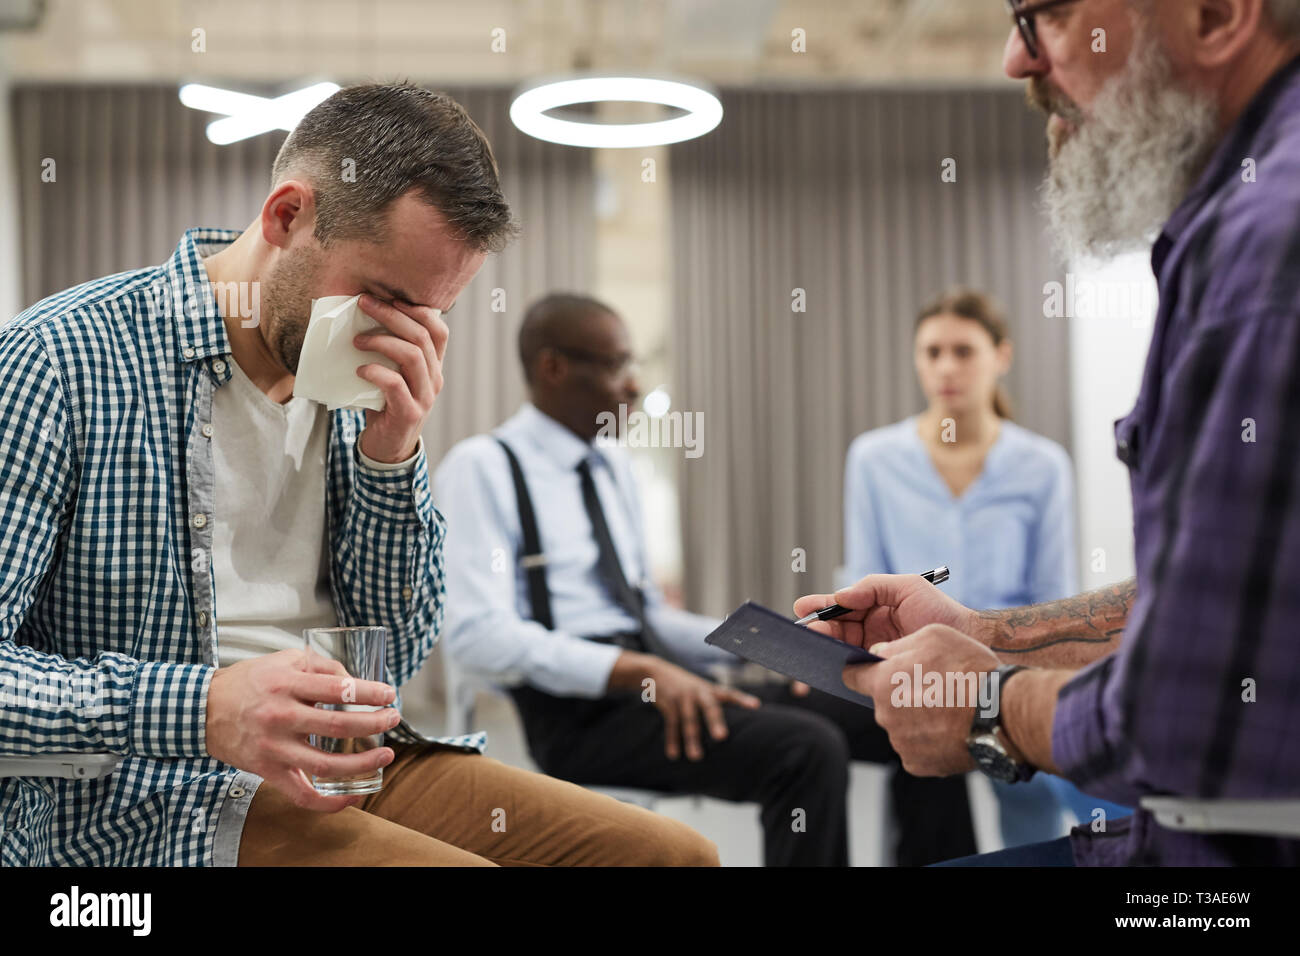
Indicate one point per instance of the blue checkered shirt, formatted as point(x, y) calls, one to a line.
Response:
point(108, 634)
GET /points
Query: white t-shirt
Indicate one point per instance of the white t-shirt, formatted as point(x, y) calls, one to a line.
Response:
point(270, 553)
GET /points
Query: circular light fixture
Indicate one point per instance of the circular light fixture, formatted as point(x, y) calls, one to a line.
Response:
point(248, 115)
point(531, 105)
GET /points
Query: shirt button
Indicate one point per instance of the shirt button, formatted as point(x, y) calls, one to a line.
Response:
point(200, 520)
point(218, 366)
point(203, 618)
point(406, 594)
point(207, 431)
point(189, 352)
point(236, 791)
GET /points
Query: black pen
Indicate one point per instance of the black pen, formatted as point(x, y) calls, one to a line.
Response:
point(937, 576)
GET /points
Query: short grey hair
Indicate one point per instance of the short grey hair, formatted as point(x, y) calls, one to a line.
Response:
point(1282, 15)
point(366, 146)
point(1285, 15)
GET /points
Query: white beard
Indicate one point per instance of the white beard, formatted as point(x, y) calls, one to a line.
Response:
point(1125, 166)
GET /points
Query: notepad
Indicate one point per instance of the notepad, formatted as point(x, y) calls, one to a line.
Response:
point(758, 634)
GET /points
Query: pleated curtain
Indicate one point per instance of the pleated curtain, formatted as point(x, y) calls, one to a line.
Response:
point(133, 170)
point(836, 201)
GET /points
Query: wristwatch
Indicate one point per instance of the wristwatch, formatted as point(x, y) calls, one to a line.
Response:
point(988, 743)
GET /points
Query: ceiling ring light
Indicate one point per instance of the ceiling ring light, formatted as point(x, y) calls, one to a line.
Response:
point(248, 115)
point(531, 104)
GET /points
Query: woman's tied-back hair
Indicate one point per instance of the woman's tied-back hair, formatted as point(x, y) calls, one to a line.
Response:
point(969, 304)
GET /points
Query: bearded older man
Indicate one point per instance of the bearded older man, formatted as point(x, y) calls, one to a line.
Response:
point(1181, 681)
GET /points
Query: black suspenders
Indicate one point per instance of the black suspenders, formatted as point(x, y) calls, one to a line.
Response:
point(533, 561)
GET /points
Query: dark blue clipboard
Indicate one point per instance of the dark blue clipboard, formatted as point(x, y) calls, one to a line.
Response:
point(778, 643)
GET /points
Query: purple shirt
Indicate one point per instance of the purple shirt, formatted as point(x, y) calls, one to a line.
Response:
point(1202, 699)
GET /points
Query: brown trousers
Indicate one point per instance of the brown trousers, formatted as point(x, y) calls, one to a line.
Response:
point(443, 807)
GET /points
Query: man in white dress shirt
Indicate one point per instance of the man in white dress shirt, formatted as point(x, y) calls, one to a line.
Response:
point(548, 593)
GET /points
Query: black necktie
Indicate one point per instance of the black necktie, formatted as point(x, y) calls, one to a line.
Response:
point(608, 566)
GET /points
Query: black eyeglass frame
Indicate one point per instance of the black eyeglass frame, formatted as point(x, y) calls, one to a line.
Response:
point(1022, 15)
point(613, 366)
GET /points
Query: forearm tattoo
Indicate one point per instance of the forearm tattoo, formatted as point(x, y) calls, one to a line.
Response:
point(1094, 622)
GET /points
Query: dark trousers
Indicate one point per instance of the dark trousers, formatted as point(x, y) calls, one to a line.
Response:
point(791, 756)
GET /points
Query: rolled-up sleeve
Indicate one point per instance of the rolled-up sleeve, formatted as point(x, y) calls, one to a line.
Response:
point(48, 703)
point(1198, 700)
point(387, 560)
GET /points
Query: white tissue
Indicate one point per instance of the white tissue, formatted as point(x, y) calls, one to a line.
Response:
point(327, 365)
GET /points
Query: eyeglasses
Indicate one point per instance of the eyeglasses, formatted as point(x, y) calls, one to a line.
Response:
point(616, 365)
point(1022, 15)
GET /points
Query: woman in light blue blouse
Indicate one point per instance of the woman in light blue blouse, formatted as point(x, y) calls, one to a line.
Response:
point(961, 485)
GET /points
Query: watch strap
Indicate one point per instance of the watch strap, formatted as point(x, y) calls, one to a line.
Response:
point(986, 725)
point(993, 724)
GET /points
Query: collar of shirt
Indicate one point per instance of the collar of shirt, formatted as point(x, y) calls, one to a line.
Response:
point(200, 330)
point(553, 440)
point(1009, 440)
point(1226, 160)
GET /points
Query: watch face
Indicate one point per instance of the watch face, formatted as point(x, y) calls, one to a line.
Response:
point(991, 759)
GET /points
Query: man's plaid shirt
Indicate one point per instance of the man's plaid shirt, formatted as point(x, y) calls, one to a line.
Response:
point(108, 630)
point(1200, 699)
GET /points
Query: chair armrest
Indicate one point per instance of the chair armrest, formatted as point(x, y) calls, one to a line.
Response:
point(1279, 818)
point(67, 766)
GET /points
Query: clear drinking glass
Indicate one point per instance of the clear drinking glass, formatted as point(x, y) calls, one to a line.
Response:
point(361, 652)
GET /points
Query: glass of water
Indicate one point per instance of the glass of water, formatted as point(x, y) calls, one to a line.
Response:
point(360, 650)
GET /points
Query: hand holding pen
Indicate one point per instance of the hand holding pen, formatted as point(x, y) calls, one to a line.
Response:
point(937, 576)
point(885, 607)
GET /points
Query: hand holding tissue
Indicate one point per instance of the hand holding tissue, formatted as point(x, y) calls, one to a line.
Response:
point(327, 365)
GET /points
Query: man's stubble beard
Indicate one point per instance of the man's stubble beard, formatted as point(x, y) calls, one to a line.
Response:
point(1119, 172)
point(287, 304)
